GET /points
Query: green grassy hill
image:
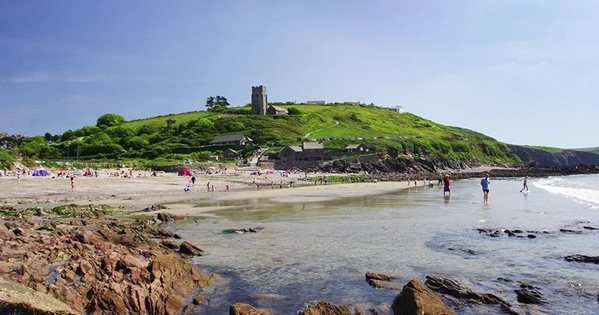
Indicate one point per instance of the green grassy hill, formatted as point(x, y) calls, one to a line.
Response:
point(337, 125)
point(187, 135)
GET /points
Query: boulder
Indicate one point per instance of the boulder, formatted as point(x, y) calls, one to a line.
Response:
point(245, 309)
point(384, 284)
point(172, 279)
point(378, 276)
point(189, 249)
point(417, 299)
point(154, 208)
point(583, 259)
point(382, 281)
point(324, 308)
point(19, 299)
point(529, 295)
point(455, 289)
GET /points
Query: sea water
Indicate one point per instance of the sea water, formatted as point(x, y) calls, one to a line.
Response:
point(306, 252)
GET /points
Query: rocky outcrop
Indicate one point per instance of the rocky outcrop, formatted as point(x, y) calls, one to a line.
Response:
point(454, 288)
point(563, 159)
point(246, 309)
point(417, 299)
point(529, 295)
point(583, 259)
point(324, 308)
point(18, 299)
point(382, 281)
point(102, 266)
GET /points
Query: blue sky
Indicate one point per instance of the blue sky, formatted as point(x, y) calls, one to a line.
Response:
point(521, 71)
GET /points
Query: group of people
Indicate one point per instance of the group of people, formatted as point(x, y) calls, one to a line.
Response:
point(484, 183)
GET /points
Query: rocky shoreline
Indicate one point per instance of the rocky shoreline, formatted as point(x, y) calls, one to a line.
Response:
point(402, 169)
point(96, 265)
point(97, 259)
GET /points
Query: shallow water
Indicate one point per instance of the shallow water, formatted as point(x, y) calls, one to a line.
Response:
point(321, 251)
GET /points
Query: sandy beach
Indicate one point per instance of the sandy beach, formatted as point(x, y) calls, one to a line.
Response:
point(137, 193)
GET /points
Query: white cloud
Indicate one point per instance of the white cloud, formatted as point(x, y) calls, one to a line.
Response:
point(85, 78)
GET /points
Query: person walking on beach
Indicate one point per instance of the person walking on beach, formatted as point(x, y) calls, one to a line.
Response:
point(524, 184)
point(193, 181)
point(446, 185)
point(484, 183)
point(72, 183)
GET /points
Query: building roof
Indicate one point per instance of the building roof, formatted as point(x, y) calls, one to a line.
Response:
point(293, 148)
point(353, 146)
point(312, 145)
point(230, 138)
point(277, 108)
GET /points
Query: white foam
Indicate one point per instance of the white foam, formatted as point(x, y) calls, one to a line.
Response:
point(571, 187)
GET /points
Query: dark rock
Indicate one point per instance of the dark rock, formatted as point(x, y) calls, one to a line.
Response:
point(586, 227)
point(154, 208)
point(529, 295)
point(417, 299)
point(464, 250)
point(166, 217)
point(378, 276)
point(508, 310)
point(382, 281)
point(583, 259)
point(190, 249)
point(489, 232)
point(324, 308)
point(170, 244)
point(19, 232)
point(384, 284)
point(245, 309)
point(568, 231)
point(453, 288)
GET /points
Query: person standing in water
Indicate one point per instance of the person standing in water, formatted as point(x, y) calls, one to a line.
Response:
point(524, 184)
point(484, 183)
point(446, 185)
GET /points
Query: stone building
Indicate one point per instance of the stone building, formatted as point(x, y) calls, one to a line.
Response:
point(259, 100)
point(309, 153)
point(260, 103)
point(275, 110)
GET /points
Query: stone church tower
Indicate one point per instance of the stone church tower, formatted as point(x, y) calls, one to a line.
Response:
point(259, 100)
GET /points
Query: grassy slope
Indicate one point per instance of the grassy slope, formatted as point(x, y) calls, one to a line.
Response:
point(592, 150)
point(343, 124)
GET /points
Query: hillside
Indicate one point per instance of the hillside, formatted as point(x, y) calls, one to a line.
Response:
point(556, 158)
point(177, 137)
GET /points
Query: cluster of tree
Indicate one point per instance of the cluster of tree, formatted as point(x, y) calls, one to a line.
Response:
point(112, 138)
point(217, 103)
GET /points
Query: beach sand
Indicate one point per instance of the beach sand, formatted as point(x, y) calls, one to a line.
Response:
point(137, 193)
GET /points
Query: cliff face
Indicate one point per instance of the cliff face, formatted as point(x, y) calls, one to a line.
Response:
point(561, 160)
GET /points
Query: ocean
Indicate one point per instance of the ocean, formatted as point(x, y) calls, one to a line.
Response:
point(320, 251)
